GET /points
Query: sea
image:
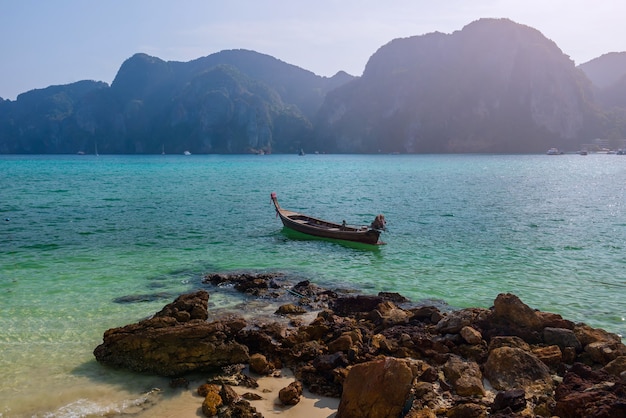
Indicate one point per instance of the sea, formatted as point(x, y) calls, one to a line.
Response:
point(91, 242)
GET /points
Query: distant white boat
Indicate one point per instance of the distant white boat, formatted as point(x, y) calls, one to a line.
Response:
point(554, 151)
point(186, 153)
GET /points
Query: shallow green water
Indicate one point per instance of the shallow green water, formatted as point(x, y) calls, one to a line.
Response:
point(79, 232)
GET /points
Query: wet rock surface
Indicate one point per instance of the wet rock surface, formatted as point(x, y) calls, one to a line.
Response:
point(381, 354)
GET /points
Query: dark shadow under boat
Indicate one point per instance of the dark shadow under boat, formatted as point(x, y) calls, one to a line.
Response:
point(290, 234)
point(324, 229)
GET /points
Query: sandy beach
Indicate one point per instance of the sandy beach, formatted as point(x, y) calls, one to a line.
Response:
point(188, 404)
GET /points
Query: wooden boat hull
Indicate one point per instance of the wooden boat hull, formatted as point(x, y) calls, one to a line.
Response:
point(325, 229)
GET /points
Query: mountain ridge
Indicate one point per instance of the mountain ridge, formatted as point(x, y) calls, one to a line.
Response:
point(493, 86)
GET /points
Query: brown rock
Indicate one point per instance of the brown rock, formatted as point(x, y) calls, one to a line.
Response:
point(423, 389)
point(603, 352)
point(233, 376)
point(240, 409)
point(228, 395)
point(429, 314)
point(467, 410)
point(569, 355)
point(252, 396)
point(424, 371)
point(508, 341)
point(599, 345)
point(316, 330)
point(259, 364)
point(551, 356)
point(307, 351)
point(465, 376)
point(252, 285)
point(511, 317)
point(422, 413)
point(377, 341)
point(388, 314)
point(616, 367)
point(552, 320)
point(290, 309)
point(376, 389)
point(393, 296)
point(512, 368)
point(471, 336)
point(164, 346)
point(342, 343)
point(587, 335)
point(453, 322)
point(290, 395)
point(187, 307)
point(585, 393)
point(509, 308)
point(211, 402)
point(328, 362)
point(514, 399)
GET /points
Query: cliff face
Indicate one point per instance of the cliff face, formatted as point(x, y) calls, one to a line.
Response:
point(495, 86)
point(38, 121)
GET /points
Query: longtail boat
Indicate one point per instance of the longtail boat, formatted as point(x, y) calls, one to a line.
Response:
point(325, 229)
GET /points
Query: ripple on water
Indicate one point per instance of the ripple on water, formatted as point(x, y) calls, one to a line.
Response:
point(86, 234)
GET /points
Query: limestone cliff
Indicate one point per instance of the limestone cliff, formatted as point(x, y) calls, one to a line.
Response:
point(494, 86)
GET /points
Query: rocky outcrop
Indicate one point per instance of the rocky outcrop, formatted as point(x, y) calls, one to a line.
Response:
point(175, 341)
point(384, 358)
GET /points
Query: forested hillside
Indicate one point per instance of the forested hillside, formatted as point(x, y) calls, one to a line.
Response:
point(229, 102)
point(495, 86)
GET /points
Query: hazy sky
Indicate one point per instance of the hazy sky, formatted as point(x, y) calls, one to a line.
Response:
point(48, 42)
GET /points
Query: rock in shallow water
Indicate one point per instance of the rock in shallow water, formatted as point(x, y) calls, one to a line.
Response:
point(345, 349)
point(175, 341)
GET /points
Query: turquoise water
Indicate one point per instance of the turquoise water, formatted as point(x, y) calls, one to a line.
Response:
point(79, 232)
